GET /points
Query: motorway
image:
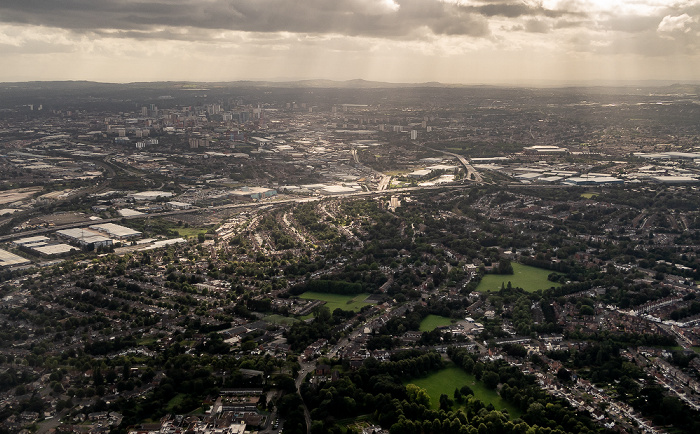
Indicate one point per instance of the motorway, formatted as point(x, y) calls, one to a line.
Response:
point(261, 204)
point(34, 232)
point(472, 174)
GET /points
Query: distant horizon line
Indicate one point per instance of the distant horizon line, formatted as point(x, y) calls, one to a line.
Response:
point(379, 83)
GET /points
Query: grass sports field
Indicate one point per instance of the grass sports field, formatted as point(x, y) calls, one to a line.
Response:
point(334, 301)
point(529, 278)
point(446, 380)
point(431, 322)
point(279, 319)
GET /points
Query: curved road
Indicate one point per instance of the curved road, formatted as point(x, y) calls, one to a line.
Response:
point(267, 204)
point(471, 171)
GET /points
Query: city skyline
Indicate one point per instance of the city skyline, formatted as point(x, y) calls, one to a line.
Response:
point(448, 41)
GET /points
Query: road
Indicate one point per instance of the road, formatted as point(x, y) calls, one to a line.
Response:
point(33, 232)
point(305, 369)
point(384, 183)
point(478, 178)
point(472, 174)
point(50, 424)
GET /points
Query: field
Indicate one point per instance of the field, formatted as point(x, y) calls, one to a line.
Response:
point(431, 322)
point(190, 232)
point(529, 278)
point(280, 320)
point(149, 340)
point(334, 301)
point(446, 380)
point(176, 400)
point(588, 195)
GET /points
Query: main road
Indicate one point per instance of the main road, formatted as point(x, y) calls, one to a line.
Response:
point(472, 174)
point(306, 367)
point(478, 178)
point(215, 208)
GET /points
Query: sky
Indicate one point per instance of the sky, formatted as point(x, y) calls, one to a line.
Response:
point(402, 41)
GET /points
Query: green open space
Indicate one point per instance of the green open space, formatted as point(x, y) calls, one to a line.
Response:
point(524, 276)
point(146, 341)
point(335, 301)
point(589, 195)
point(280, 320)
point(176, 400)
point(431, 322)
point(166, 227)
point(446, 380)
point(190, 232)
point(669, 347)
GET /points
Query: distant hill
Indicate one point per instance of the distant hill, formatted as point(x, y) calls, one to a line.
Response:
point(668, 86)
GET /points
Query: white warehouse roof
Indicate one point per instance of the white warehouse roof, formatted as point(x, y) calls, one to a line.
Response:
point(116, 230)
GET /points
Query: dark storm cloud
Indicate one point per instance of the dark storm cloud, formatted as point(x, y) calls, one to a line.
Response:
point(400, 19)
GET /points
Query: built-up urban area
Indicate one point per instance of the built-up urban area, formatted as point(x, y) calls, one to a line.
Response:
point(327, 257)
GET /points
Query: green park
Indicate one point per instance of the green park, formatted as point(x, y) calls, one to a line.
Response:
point(431, 322)
point(353, 302)
point(524, 276)
point(446, 380)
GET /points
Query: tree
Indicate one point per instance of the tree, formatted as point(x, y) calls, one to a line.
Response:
point(97, 377)
point(586, 310)
point(458, 396)
point(418, 395)
point(564, 375)
point(322, 314)
point(466, 390)
point(445, 402)
point(490, 379)
point(505, 267)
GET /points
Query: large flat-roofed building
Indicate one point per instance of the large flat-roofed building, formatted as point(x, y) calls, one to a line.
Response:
point(127, 212)
point(151, 195)
point(676, 179)
point(116, 231)
point(86, 238)
point(164, 243)
point(529, 176)
point(54, 249)
point(30, 242)
point(593, 180)
point(545, 149)
point(669, 155)
point(8, 259)
point(43, 246)
point(255, 192)
point(338, 189)
point(179, 205)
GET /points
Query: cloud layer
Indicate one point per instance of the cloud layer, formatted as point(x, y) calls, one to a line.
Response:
point(523, 35)
point(384, 18)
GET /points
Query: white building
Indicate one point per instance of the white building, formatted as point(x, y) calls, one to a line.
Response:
point(116, 231)
point(8, 259)
point(86, 238)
